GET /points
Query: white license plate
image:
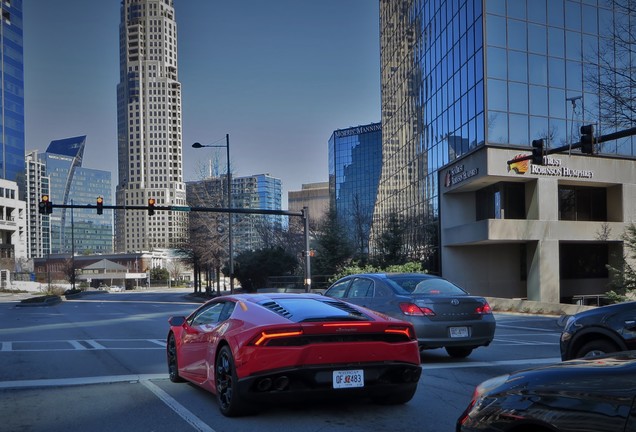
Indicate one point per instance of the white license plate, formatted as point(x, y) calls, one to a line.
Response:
point(458, 332)
point(348, 378)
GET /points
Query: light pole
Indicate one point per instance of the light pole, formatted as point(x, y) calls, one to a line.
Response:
point(73, 247)
point(229, 204)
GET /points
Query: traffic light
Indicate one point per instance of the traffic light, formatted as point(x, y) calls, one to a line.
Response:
point(537, 151)
point(100, 205)
point(587, 139)
point(45, 206)
point(151, 206)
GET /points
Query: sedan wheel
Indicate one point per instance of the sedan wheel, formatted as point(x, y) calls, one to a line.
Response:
point(596, 348)
point(226, 382)
point(173, 366)
point(459, 352)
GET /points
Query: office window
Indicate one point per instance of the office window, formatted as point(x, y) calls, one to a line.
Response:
point(579, 203)
point(501, 201)
point(583, 260)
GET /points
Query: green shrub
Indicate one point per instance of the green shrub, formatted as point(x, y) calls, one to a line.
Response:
point(409, 267)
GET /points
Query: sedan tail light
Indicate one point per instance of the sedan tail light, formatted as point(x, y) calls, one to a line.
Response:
point(412, 309)
point(484, 309)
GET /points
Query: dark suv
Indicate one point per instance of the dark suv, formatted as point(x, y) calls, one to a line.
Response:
point(599, 331)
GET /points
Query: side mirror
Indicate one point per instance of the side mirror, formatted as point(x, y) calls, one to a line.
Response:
point(176, 321)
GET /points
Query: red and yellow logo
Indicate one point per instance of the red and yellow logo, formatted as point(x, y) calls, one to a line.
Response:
point(520, 167)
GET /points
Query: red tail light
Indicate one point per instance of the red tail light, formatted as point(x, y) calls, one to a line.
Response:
point(268, 335)
point(485, 309)
point(400, 330)
point(412, 309)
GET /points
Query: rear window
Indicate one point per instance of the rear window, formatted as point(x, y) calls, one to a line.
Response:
point(425, 285)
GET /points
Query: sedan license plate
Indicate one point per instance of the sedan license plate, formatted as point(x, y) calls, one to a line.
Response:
point(348, 378)
point(458, 332)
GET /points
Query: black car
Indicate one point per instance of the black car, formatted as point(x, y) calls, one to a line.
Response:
point(599, 331)
point(443, 314)
point(587, 395)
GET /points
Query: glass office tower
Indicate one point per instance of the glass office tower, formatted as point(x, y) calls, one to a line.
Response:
point(11, 93)
point(355, 161)
point(77, 230)
point(458, 75)
point(260, 191)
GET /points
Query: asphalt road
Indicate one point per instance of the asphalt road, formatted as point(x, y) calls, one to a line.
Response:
point(97, 363)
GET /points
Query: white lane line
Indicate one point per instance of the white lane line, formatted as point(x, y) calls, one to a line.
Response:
point(95, 344)
point(76, 345)
point(520, 362)
point(518, 342)
point(527, 328)
point(161, 343)
point(175, 406)
point(65, 382)
point(6, 346)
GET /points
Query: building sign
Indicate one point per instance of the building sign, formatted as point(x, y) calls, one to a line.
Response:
point(458, 174)
point(358, 130)
point(552, 167)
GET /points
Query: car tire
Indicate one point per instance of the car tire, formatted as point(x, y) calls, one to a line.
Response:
point(173, 365)
point(226, 383)
point(459, 352)
point(596, 348)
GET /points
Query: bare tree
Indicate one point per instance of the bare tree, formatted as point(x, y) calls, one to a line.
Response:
point(175, 268)
point(207, 247)
point(361, 217)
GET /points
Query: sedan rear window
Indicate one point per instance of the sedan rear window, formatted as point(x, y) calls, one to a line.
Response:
point(426, 285)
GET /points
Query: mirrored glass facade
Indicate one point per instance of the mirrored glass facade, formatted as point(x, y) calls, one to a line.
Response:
point(12, 157)
point(461, 74)
point(355, 162)
point(78, 230)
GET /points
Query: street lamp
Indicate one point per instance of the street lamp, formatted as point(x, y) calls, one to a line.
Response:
point(229, 203)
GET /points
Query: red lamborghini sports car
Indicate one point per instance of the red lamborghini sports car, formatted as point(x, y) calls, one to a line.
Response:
point(249, 349)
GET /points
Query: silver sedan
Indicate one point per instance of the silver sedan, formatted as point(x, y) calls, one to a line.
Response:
point(443, 314)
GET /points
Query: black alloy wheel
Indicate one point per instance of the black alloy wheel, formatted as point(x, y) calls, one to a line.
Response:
point(226, 382)
point(173, 366)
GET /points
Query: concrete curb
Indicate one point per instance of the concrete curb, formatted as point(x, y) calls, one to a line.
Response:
point(534, 307)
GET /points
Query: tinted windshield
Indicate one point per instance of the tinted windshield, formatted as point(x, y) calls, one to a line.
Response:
point(425, 285)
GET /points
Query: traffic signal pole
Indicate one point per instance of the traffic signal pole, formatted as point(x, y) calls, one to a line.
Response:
point(46, 207)
point(594, 140)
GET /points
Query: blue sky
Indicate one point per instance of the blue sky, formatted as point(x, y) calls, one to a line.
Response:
point(279, 76)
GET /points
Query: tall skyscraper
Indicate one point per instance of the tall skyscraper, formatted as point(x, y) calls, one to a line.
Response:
point(467, 85)
point(355, 162)
point(11, 93)
point(150, 153)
